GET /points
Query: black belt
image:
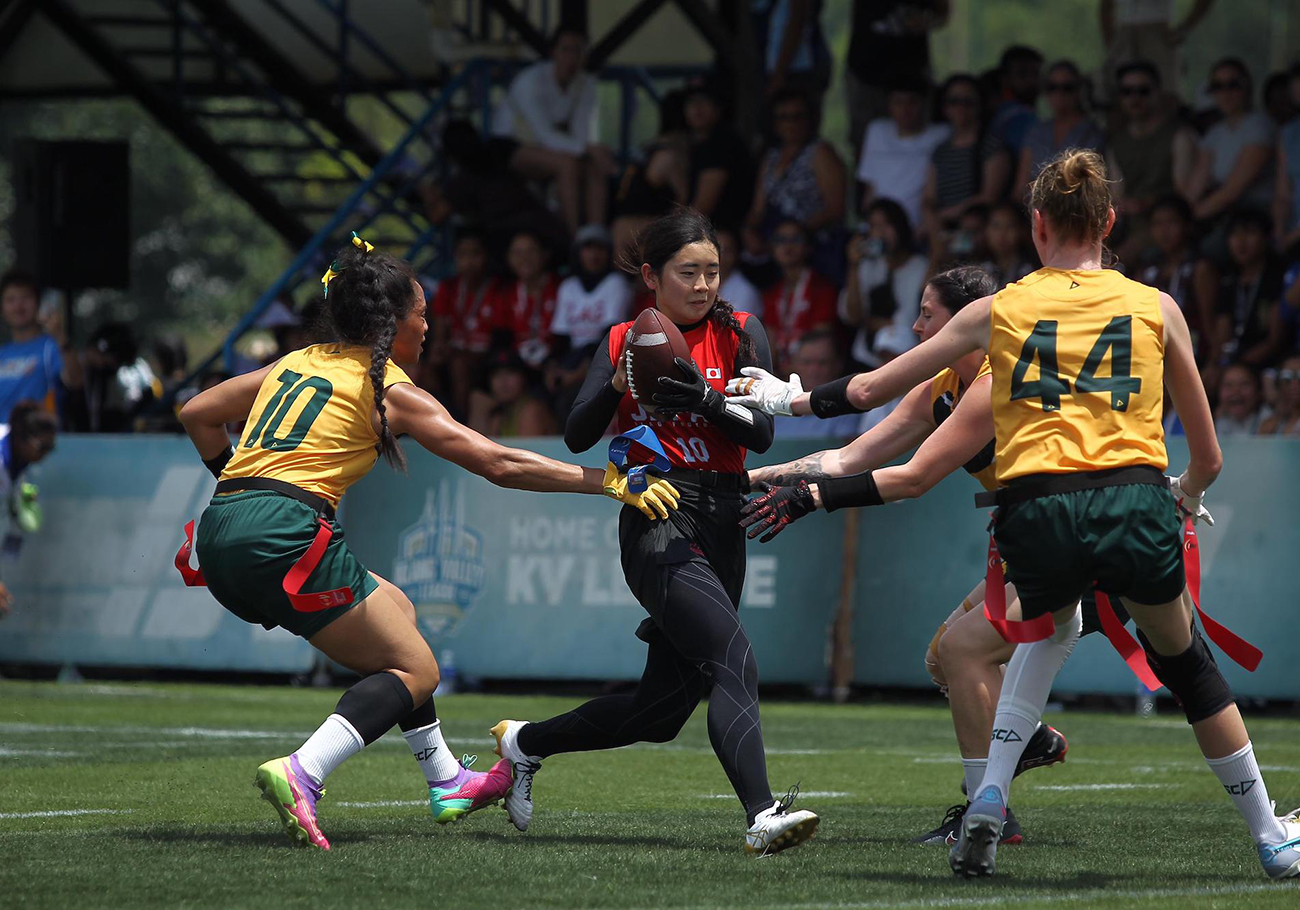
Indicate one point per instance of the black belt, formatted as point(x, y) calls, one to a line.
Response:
point(718, 479)
point(318, 504)
point(1033, 486)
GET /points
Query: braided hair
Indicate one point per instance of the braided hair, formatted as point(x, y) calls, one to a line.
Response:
point(369, 294)
point(661, 240)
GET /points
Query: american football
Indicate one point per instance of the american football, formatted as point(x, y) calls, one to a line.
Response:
point(652, 344)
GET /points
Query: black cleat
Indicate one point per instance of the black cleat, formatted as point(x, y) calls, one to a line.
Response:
point(949, 830)
point(1046, 747)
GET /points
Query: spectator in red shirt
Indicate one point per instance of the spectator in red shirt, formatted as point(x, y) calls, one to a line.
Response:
point(463, 320)
point(802, 300)
point(524, 304)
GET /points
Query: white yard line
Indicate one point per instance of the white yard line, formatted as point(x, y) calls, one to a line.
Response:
point(64, 813)
point(1064, 787)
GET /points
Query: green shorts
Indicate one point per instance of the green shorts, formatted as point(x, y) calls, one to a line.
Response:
point(1127, 539)
point(248, 541)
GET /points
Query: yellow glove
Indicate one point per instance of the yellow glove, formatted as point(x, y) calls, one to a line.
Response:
point(660, 497)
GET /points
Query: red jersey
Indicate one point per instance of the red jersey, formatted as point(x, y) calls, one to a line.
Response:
point(528, 316)
point(791, 313)
point(471, 314)
point(689, 440)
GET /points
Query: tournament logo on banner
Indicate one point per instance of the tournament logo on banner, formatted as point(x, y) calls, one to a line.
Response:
point(439, 562)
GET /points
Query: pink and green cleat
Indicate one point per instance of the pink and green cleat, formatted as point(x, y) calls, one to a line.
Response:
point(468, 791)
point(285, 785)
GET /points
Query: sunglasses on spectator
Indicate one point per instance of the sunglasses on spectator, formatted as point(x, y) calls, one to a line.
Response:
point(1228, 85)
point(790, 115)
point(1135, 91)
point(961, 101)
point(786, 238)
point(1062, 87)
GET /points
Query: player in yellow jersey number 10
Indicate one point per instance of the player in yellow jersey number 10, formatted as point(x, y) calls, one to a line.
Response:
point(318, 419)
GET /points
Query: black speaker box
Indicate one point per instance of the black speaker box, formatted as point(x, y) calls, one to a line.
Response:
point(72, 216)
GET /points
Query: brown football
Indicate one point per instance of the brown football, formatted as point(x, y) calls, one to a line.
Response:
point(652, 343)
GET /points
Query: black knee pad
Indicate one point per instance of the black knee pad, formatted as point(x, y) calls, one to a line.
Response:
point(1192, 677)
point(375, 704)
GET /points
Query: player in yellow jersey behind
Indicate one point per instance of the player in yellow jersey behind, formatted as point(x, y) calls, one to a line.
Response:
point(950, 418)
point(1080, 356)
point(271, 552)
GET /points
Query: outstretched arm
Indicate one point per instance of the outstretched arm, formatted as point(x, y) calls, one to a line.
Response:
point(1188, 394)
point(906, 426)
point(418, 414)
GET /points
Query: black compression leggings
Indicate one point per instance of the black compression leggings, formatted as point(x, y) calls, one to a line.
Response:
point(703, 649)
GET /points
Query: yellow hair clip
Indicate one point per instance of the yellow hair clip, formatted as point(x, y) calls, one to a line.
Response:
point(362, 244)
point(330, 274)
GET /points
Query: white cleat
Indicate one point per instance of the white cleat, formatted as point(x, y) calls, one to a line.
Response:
point(1282, 860)
point(519, 801)
point(780, 827)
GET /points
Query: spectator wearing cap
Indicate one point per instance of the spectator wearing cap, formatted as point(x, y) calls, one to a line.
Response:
point(1018, 80)
point(545, 128)
point(817, 359)
point(593, 298)
point(801, 177)
point(733, 286)
point(970, 167)
point(32, 365)
point(524, 304)
point(1232, 168)
point(508, 407)
point(1068, 127)
point(1237, 413)
point(801, 301)
point(1248, 293)
point(897, 149)
point(1286, 196)
point(1151, 155)
point(1285, 419)
point(1173, 264)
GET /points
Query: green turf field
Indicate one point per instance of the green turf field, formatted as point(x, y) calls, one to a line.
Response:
point(128, 795)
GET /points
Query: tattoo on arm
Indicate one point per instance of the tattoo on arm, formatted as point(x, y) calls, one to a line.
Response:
point(810, 468)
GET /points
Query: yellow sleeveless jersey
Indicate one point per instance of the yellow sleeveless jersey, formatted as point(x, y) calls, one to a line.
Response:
point(310, 425)
point(1078, 374)
point(946, 390)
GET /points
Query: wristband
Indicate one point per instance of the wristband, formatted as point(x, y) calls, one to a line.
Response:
point(217, 463)
point(845, 492)
point(831, 399)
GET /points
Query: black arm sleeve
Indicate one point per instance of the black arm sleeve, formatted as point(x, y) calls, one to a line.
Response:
point(595, 405)
point(749, 427)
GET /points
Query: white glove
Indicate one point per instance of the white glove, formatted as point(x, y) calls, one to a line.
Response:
point(764, 391)
point(1189, 505)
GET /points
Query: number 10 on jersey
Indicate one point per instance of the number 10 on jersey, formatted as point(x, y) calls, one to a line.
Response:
point(1117, 338)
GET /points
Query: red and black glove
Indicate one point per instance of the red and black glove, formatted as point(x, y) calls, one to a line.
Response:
point(776, 508)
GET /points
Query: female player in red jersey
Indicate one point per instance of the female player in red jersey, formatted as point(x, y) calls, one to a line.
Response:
point(318, 418)
point(687, 572)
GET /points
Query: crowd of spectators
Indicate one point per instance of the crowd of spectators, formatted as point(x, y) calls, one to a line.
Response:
point(832, 255)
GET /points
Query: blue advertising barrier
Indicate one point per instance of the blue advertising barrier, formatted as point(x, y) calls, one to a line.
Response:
point(97, 586)
point(525, 585)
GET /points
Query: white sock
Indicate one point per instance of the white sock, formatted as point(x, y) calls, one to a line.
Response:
point(973, 769)
point(333, 741)
point(436, 760)
point(1239, 774)
point(1025, 689)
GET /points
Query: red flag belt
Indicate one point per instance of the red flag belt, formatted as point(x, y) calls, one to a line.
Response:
point(1237, 648)
point(294, 579)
